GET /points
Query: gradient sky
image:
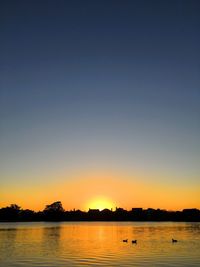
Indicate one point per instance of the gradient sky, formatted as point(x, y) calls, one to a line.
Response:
point(100, 100)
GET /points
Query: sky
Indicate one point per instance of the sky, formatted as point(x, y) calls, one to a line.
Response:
point(100, 103)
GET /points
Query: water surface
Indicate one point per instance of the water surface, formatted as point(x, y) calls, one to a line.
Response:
point(99, 244)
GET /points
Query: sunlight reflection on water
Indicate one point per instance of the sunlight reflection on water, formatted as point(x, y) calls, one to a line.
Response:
point(99, 244)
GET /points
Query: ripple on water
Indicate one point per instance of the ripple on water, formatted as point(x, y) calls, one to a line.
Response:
point(99, 244)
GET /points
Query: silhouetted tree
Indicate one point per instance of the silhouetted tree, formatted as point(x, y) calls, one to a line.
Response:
point(15, 207)
point(55, 207)
point(10, 213)
point(54, 211)
point(27, 215)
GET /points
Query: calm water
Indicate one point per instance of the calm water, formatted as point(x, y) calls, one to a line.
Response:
point(99, 244)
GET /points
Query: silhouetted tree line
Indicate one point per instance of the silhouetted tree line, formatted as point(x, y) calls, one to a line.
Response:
point(56, 212)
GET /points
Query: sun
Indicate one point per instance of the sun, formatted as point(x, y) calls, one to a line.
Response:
point(100, 203)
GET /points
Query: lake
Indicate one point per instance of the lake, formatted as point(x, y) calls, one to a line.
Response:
point(99, 244)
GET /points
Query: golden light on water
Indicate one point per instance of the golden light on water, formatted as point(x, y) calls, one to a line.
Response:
point(100, 203)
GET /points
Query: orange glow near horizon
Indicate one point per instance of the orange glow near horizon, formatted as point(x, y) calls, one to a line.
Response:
point(98, 190)
point(100, 203)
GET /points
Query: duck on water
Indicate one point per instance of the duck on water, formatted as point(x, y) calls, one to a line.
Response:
point(134, 241)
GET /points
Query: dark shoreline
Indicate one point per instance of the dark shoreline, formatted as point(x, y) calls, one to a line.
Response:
point(55, 221)
point(56, 212)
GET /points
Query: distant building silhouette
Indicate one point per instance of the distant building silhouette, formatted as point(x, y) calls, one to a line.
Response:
point(93, 211)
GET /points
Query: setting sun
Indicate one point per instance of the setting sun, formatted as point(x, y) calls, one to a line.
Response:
point(100, 203)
